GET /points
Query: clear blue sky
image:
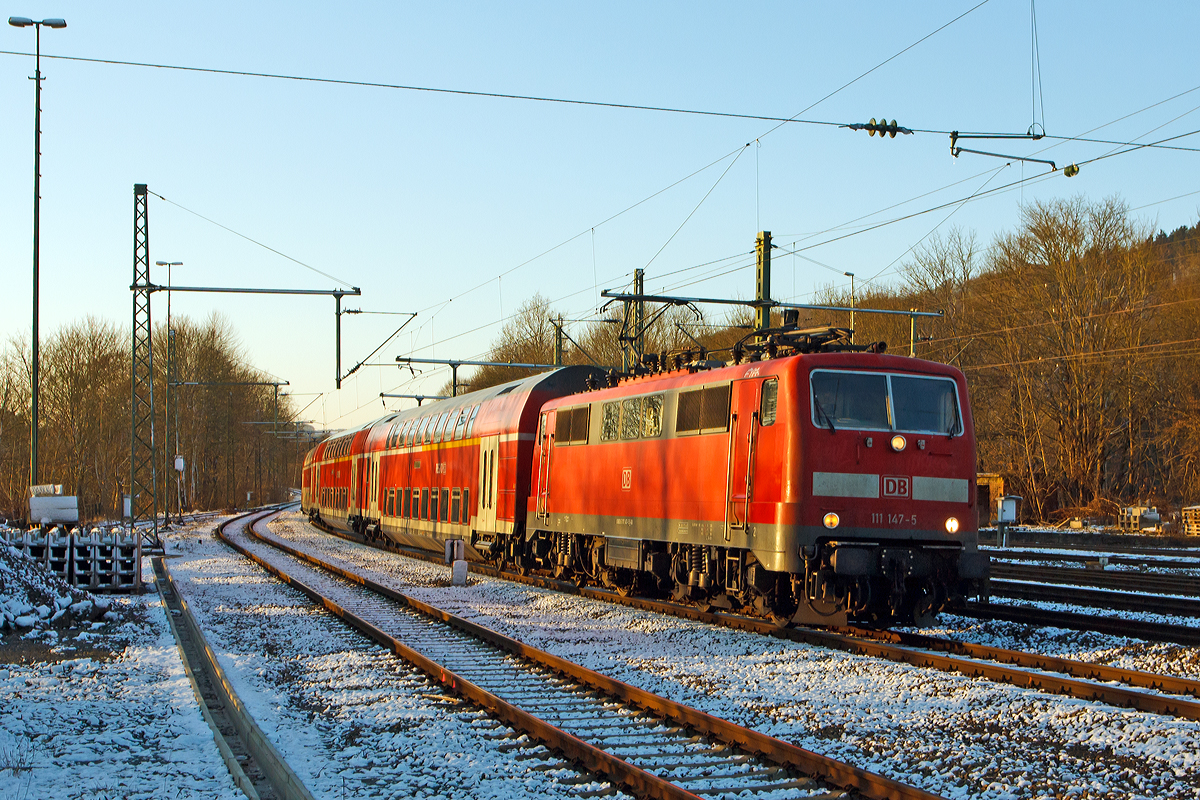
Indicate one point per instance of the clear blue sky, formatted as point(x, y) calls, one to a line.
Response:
point(418, 197)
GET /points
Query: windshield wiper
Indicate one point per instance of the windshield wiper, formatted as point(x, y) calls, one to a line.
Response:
point(821, 413)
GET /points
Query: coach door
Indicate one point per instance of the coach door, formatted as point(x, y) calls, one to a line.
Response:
point(489, 458)
point(743, 419)
point(372, 504)
point(545, 447)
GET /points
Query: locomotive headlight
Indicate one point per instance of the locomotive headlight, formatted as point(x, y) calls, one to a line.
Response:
point(831, 520)
point(899, 443)
point(952, 525)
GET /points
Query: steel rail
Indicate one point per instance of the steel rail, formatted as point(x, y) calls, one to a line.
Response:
point(1001, 556)
point(1184, 549)
point(580, 752)
point(1097, 598)
point(1123, 580)
point(641, 782)
point(1012, 667)
point(1114, 626)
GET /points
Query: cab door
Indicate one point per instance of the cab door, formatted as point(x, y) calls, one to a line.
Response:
point(743, 425)
point(545, 448)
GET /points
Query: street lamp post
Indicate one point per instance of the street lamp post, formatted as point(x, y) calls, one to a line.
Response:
point(25, 22)
point(170, 378)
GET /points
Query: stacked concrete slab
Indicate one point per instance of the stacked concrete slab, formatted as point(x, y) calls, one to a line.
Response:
point(96, 560)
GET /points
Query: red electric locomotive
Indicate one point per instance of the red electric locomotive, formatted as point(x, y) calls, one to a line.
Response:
point(829, 484)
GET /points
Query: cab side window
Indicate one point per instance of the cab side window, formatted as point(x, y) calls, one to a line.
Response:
point(770, 402)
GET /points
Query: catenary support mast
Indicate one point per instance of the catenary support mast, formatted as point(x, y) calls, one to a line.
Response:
point(143, 475)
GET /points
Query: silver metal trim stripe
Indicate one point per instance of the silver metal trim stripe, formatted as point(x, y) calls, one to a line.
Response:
point(941, 490)
point(845, 484)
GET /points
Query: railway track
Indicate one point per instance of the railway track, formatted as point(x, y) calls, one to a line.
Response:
point(1096, 598)
point(1132, 550)
point(648, 745)
point(1114, 626)
point(1059, 675)
point(1146, 561)
point(1120, 580)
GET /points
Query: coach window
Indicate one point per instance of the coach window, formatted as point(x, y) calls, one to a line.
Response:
point(424, 504)
point(631, 418)
point(471, 421)
point(610, 425)
point(652, 408)
point(433, 504)
point(770, 400)
point(460, 427)
point(445, 505)
point(466, 506)
point(455, 505)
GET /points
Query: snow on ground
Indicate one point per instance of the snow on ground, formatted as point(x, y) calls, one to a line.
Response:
point(94, 700)
point(951, 734)
point(350, 718)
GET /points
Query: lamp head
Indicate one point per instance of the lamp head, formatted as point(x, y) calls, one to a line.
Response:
point(55, 23)
point(20, 22)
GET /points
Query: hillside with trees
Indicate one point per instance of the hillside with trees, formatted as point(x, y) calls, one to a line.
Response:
point(1078, 333)
point(84, 438)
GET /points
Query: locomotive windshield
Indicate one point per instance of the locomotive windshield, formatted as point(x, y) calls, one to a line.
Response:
point(877, 401)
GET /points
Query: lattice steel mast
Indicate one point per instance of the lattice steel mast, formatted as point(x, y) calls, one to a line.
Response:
point(143, 468)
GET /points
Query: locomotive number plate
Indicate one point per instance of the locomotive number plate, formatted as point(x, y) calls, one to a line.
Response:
point(894, 519)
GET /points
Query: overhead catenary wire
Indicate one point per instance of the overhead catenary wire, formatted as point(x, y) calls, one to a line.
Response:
point(697, 208)
point(819, 101)
point(252, 240)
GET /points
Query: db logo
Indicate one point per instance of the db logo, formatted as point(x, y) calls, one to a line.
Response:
point(895, 486)
point(626, 479)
